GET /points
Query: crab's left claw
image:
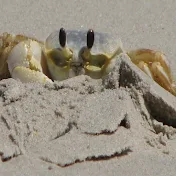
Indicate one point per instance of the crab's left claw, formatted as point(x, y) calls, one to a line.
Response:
point(154, 64)
point(25, 62)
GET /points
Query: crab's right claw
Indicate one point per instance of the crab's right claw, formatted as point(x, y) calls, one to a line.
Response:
point(24, 62)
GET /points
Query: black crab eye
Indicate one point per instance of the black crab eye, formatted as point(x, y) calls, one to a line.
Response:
point(62, 37)
point(90, 38)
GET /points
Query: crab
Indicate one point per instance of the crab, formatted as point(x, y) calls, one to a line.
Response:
point(67, 54)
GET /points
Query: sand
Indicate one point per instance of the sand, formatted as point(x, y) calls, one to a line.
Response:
point(123, 124)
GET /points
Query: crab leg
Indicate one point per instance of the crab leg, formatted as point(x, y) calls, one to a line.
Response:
point(154, 64)
point(24, 62)
point(145, 68)
point(160, 77)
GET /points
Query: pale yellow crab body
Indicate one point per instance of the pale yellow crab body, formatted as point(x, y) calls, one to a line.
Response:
point(29, 60)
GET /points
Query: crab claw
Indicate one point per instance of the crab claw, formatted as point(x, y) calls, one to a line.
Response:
point(154, 64)
point(24, 62)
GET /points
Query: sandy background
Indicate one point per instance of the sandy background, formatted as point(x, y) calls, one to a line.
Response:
point(83, 126)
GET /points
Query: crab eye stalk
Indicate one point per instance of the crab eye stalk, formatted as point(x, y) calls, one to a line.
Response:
point(62, 37)
point(90, 38)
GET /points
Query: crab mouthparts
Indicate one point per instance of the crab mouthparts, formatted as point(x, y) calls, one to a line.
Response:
point(77, 68)
point(76, 64)
point(76, 61)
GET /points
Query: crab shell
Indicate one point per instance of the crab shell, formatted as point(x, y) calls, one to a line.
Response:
point(104, 49)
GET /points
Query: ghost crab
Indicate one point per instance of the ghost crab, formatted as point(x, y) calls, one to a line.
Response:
point(65, 55)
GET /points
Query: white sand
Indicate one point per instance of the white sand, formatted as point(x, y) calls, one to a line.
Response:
point(91, 127)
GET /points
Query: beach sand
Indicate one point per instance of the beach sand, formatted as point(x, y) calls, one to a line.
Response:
point(123, 124)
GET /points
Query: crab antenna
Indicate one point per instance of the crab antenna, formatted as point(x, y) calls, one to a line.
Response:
point(90, 38)
point(62, 37)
